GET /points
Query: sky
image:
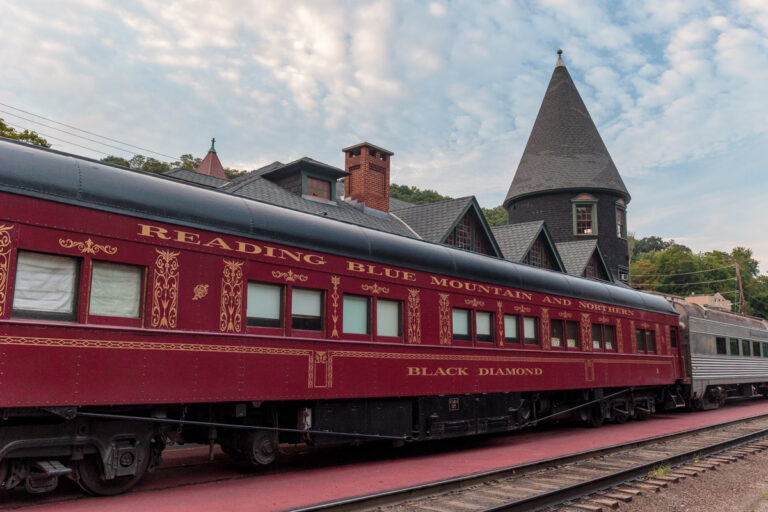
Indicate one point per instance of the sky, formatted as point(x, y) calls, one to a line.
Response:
point(677, 90)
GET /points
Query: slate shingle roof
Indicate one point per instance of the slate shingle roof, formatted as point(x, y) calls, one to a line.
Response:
point(196, 177)
point(433, 220)
point(515, 239)
point(565, 150)
point(255, 186)
point(398, 204)
point(575, 255)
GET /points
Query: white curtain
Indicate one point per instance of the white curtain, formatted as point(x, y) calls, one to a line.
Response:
point(355, 314)
point(115, 290)
point(529, 327)
point(461, 322)
point(264, 301)
point(45, 283)
point(387, 317)
point(510, 326)
point(483, 320)
point(306, 302)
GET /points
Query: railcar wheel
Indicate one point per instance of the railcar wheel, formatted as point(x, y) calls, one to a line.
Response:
point(90, 475)
point(595, 417)
point(256, 448)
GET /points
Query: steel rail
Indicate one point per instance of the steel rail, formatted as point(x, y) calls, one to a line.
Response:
point(558, 496)
point(393, 496)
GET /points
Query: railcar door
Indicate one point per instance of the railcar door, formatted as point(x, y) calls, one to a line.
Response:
point(677, 352)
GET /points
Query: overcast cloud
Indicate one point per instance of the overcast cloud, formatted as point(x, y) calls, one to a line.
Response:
point(677, 90)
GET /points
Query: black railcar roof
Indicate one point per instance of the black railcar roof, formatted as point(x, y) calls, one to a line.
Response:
point(58, 176)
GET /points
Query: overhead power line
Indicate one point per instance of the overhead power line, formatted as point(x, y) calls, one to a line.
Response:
point(19, 127)
point(85, 131)
point(694, 282)
point(682, 273)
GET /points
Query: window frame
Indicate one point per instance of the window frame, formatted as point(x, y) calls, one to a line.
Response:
point(375, 319)
point(563, 341)
point(138, 321)
point(621, 208)
point(755, 344)
point(491, 338)
point(368, 316)
point(645, 337)
point(470, 327)
point(516, 340)
point(305, 177)
point(283, 309)
point(734, 342)
point(746, 348)
point(536, 340)
point(25, 314)
point(577, 339)
point(306, 332)
point(588, 201)
point(718, 351)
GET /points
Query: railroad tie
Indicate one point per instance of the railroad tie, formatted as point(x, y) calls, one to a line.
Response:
point(668, 478)
point(645, 487)
point(619, 495)
point(656, 482)
point(588, 507)
point(604, 502)
point(686, 471)
point(630, 490)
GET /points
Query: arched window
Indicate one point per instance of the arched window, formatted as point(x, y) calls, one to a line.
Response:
point(621, 219)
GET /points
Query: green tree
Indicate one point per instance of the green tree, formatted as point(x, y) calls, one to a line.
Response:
point(415, 195)
point(678, 266)
point(496, 216)
point(25, 136)
point(649, 244)
point(116, 160)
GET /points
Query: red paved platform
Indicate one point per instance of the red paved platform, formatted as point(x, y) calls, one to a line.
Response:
point(295, 485)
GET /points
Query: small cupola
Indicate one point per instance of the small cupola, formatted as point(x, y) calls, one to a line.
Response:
point(211, 165)
point(308, 178)
point(368, 168)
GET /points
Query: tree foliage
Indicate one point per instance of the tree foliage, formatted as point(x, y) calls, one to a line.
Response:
point(669, 267)
point(25, 136)
point(148, 164)
point(495, 216)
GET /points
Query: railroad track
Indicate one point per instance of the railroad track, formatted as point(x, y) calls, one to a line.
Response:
point(587, 481)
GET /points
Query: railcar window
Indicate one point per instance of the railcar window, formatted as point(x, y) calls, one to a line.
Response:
point(45, 286)
point(557, 333)
point(765, 349)
point(610, 336)
point(745, 347)
point(531, 330)
point(756, 348)
point(646, 340)
point(597, 336)
point(306, 309)
point(572, 334)
point(356, 314)
point(484, 326)
point(461, 325)
point(265, 305)
point(650, 341)
point(734, 346)
point(511, 334)
point(720, 346)
point(388, 321)
point(115, 290)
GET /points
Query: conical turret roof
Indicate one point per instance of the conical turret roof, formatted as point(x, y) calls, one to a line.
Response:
point(211, 165)
point(564, 151)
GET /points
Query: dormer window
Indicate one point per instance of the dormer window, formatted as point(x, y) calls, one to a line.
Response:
point(584, 215)
point(318, 188)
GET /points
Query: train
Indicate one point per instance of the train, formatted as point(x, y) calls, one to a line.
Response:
point(137, 310)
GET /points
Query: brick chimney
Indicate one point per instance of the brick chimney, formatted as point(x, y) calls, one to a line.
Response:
point(368, 180)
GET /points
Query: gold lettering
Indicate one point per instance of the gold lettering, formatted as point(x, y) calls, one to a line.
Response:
point(248, 248)
point(218, 242)
point(294, 256)
point(188, 238)
point(409, 276)
point(147, 230)
point(314, 259)
point(413, 370)
point(355, 267)
point(440, 282)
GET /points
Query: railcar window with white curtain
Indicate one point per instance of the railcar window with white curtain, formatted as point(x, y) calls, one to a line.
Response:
point(511, 334)
point(265, 305)
point(356, 314)
point(306, 309)
point(484, 326)
point(115, 290)
point(461, 325)
point(531, 330)
point(572, 334)
point(45, 286)
point(557, 333)
point(388, 321)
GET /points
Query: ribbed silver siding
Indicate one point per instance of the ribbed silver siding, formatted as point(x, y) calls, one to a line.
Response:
point(709, 368)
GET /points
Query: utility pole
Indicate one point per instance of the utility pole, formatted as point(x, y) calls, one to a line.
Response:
point(741, 291)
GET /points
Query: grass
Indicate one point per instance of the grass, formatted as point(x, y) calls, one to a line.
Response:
point(659, 471)
point(696, 458)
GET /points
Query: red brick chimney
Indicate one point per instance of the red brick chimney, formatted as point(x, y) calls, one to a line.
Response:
point(368, 180)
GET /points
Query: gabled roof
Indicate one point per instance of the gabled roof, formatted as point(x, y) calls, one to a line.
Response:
point(196, 177)
point(211, 165)
point(255, 186)
point(435, 221)
point(565, 150)
point(398, 204)
point(576, 256)
point(516, 240)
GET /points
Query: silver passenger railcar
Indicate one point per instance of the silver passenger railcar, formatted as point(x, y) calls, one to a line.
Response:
point(726, 354)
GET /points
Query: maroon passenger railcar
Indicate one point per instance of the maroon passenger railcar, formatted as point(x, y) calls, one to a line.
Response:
point(132, 303)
